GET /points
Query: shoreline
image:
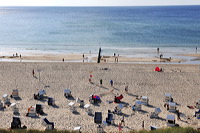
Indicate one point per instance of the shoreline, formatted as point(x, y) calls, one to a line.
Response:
point(87, 58)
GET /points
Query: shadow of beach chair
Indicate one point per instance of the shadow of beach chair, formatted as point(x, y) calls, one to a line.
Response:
point(49, 125)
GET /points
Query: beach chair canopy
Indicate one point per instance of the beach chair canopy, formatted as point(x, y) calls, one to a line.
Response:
point(170, 117)
point(41, 92)
point(121, 106)
point(172, 104)
point(138, 103)
point(71, 104)
point(13, 105)
point(157, 110)
point(87, 106)
point(15, 91)
point(144, 97)
point(167, 94)
point(5, 96)
point(67, 91)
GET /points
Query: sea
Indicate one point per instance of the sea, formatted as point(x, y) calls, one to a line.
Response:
point(128, 31)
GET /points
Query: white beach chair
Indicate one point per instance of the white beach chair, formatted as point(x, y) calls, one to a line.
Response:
point(87, 108)
point(168, 97)
point(72, 107)
point(155, 113)
point(80, 102)
point(100, 129)
point(31, 111)
point(138, 105)
point(144, 100)
point(6, 100)
point(198, 104)
point(154, 127)
point(172, 107)
point(77, 129)
point(170, 120)
point(14, 108)
point(15, 94)
point(118, 109)
point(40, 95)
point(67, 93)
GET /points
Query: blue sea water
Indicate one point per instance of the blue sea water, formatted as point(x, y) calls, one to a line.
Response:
point(132, 31)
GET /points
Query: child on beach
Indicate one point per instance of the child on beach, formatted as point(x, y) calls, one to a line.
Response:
point(111, 83)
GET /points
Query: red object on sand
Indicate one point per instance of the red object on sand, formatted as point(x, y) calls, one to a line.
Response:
point(120, 126)
point(157, 69)
point(120, 97)
point(90, 76)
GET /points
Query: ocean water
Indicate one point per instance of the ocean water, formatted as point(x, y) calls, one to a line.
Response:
point(130, 31)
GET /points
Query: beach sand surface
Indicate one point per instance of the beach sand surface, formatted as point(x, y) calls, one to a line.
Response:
point(182, 81)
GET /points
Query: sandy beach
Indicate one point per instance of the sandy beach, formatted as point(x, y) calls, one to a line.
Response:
point(182, 81)
point(35, 57)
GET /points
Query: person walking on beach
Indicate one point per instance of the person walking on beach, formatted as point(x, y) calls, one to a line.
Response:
point(111, 83)
point(122, 120)
point(33, 72)
point(126, 89)
point(178, 115)
point(143, 125)
point(120, 126)
point(158, 50)
point(63, 59)
point(101, 82)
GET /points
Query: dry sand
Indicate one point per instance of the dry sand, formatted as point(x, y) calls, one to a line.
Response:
point(182, 81)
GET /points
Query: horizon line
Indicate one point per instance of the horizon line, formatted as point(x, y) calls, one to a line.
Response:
point(91, 5)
